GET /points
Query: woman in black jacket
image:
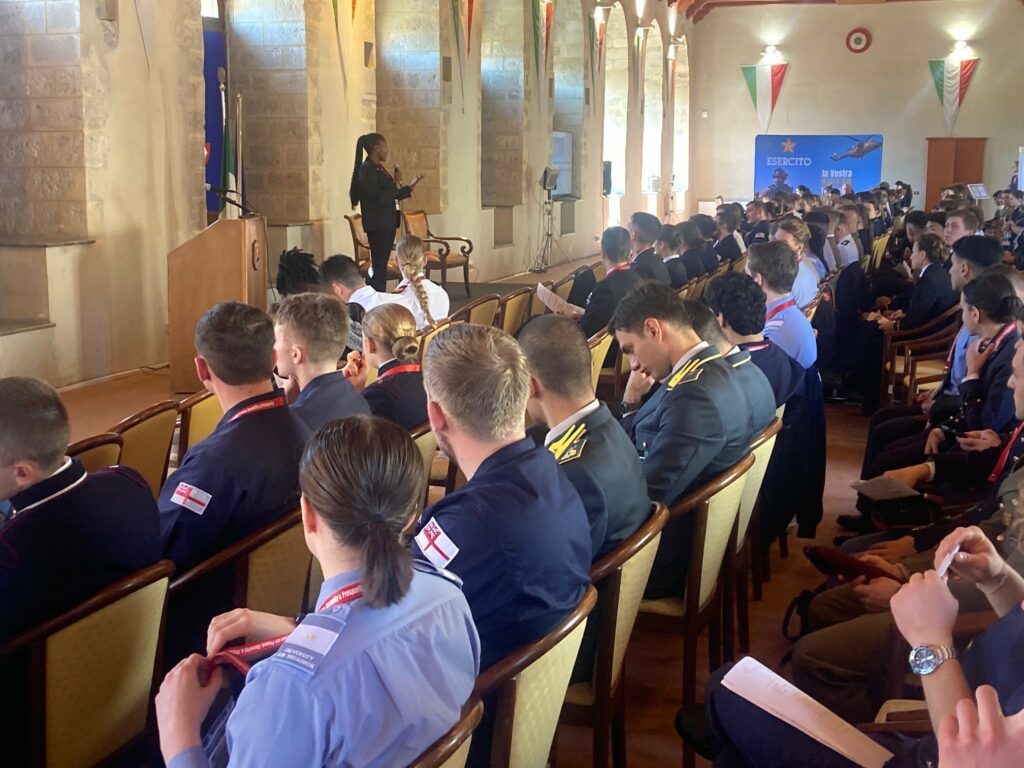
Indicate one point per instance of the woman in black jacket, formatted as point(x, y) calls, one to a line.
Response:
point(377, 193)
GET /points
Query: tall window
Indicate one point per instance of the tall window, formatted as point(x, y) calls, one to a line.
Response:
point(211, 9)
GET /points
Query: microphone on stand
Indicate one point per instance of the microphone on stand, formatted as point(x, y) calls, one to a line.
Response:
point(223, 193)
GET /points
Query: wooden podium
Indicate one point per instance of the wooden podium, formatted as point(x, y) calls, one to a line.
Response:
point(227, 261)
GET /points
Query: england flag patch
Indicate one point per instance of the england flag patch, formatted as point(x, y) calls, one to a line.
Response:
point(435, 544)
point(191, 498)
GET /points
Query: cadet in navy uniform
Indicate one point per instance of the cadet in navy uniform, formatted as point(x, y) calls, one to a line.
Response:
point(517, 533)
point(618, 279)
point(757, 217)
point(245, 474)
point(390, 346)
point(310, 330)
point(691, 427)
point(726, 247)
point(751, 380)
point(694, 247)
point(69, 536)
point(643, 231)
point(383, 667)
point(70, 533)
point(581, 433)
point(667, 246)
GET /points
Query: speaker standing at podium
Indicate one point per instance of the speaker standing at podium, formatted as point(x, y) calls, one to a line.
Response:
point(377, 193)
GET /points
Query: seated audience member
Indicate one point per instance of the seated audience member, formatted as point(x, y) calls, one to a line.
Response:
point(245, 474)
point(757, 218)
point(582, 435)
point(667, 247)
point(726, 247)
point(924, 611)
point(70, 534)
point(847, 241)
point(817, 247)
point(990, 307)
point(827, 219)
point(342, 276)
point(428, 301)
point(516, 533)
point(962, 222)
point(773, 268)
point(796, 235)
point(297, 273)
point(390, 346)
point(644, 229)
point(694, 246)
point(738, 303)
point(618, 279)
point(708, 228)
point(933, 292)
point(310, 330)
point(935, 223)
point(751, 379)
point(307, 704)
point(684, 410)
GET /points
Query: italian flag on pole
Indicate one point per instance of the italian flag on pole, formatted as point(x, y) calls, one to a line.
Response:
point(951, 78)
point(764, 81)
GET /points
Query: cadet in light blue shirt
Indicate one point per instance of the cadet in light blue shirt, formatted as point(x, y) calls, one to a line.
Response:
point(773, 268)
point(384, 666)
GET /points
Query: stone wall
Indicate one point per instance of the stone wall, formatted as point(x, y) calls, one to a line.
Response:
point(42, 146)
point(616, 97)
point(653, 109)
point(568, 50)
point(501, 102)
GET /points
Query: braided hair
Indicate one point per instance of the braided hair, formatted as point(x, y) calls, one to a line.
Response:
point(410, 252)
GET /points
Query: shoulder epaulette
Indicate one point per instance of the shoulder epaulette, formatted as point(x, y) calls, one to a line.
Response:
point(570, 445)
point(690, 371)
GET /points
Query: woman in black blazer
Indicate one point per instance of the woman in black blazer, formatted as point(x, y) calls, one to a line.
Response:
point(377, 193)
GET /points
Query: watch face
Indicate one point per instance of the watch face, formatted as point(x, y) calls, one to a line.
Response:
point(924, 660)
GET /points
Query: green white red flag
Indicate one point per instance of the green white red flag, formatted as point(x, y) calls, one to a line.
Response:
point(951, 79)
point(764, 81)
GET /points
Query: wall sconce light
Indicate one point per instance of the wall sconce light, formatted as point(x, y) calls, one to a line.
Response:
point(771, 55)
point(960, 45)
point(640, 4)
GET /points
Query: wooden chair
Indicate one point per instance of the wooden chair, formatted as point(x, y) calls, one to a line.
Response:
point(740, 265)
point(941, 329)
point(428, 333)
point(920, 364)
point(528, 686)
point(269, 568)
point(697, 291)
point(736, 568)
point(600, 343)
point(811, 309)
point(686, 289)
point(146, 441)
point(616, 376)
point(98, 451)
point(92, 671)
point(416, 223)
point(537, 307)
point(512, 309)
point(620, 578)
point(425, 440)
point(200, 415)
point(361, 246)
point(482, 311)
point(562, 288)
point(598, 269)
point(452, 749)
point(714, 509)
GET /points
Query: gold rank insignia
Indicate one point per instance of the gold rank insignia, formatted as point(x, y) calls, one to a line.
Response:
point(570, 445)
point(690, 371)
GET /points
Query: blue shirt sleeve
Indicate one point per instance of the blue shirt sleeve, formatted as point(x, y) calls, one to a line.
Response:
point(190, 758)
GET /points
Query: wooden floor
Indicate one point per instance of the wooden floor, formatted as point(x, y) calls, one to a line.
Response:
point(654, 668)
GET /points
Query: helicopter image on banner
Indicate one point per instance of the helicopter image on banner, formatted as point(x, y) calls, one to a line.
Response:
point(861, 148)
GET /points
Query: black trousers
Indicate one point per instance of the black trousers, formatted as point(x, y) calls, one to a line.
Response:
point(889, 425)
point(381, 243)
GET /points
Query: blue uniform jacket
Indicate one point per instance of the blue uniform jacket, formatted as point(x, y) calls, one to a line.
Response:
point(757, 388)
point(518, 536)
point(398, 397)
point(72, 535)
point(988, 401)
point(357, 687)
point(784, 374)
point(242, 477)
point(327, 398)
point(603, 467)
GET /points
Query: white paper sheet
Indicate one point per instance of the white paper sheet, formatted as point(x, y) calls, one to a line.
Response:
point(556, 303)
point(765, 689)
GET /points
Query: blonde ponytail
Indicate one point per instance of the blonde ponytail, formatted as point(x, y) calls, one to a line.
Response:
point(411, 255)
point(393, 327)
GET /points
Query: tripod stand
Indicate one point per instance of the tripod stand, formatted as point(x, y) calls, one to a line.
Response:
point(542, 260)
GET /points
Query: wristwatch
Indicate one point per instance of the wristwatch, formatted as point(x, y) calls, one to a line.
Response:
point(627, 408)
point(925, 659)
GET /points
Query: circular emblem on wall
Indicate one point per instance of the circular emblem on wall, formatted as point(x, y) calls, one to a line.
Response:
point(858, 40)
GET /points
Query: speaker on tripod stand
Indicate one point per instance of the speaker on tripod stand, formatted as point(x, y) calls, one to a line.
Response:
point(548, 182)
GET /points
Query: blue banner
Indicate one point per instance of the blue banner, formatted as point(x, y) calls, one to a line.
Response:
point(784, 162)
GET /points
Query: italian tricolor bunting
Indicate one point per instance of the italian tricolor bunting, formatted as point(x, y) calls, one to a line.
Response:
point(951, 79)
point(764, 81)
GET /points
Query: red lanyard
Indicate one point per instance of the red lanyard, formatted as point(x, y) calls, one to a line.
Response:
point(997, 342)
point(409, 368)
point(263, 405)
point(617, 268)
point(239, 656)
point(782, 306)
point(758, 348)
point(998, 470)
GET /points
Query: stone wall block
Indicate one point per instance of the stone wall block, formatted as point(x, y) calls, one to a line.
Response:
point(54, 49)
point(62, 16)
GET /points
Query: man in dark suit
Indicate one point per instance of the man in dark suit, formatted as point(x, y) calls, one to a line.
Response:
point(618, 279)
point(933, 292)
point(591, 449)
point(692, 426)
point(726, 247)
point(644, 229)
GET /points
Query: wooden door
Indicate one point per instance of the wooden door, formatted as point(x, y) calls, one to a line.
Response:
point(952, 161)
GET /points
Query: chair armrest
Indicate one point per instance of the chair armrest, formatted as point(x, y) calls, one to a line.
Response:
point(466, 249)
point(444, 248)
